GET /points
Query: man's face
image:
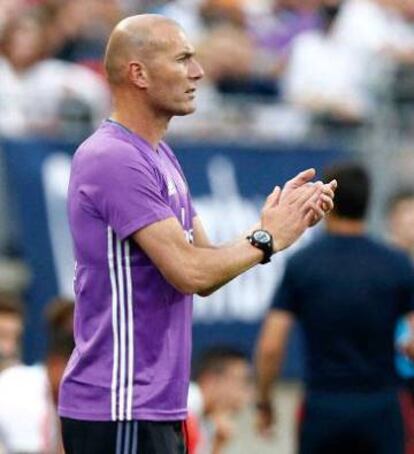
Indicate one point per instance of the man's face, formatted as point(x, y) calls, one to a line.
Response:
point(173, 75)
point(11, 327)
point(234, 386)
point(401, 222)
point(24, 43)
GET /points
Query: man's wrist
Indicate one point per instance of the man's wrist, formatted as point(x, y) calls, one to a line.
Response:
point(263, 240)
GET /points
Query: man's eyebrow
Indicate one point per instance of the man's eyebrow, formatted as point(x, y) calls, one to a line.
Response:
point(186, 53)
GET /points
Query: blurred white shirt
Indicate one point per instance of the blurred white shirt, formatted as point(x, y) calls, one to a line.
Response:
point(30, 100)
point(324, 70)
point(368, 26)
point(28, 421)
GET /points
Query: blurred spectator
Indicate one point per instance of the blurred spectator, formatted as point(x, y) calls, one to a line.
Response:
point(221, 390)
point(198, 17)
point(401, 220)
point(274, 31)
point(378, 28)
point(348, 292)
point(10, 9)
point(28, 394)
point(400, 226)
point(11, 329)
point(81, 29)
point(325, 76)
point(41, 96)
point(225, 45)
point(216, 12)
point(226, 53)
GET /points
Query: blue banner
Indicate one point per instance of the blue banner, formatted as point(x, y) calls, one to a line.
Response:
point(228, 181)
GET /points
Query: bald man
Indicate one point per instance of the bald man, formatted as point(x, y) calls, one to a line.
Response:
point(141, 251)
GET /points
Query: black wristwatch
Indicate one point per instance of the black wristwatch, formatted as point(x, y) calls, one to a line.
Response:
point(263, 240)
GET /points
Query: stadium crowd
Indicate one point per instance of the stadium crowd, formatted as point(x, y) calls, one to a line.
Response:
point(295, 62)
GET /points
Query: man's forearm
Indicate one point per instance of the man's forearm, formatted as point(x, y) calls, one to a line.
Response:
point(208, 269)
point(270, 351)
point(267, 369)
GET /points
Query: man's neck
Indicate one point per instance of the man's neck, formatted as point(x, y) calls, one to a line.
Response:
point(141, 121)
point(343, 226)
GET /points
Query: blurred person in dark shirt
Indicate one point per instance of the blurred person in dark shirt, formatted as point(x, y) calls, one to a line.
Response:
point(11, 330)
point(347, 291)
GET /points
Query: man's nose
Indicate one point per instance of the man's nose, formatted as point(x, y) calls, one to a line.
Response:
point(196, 70)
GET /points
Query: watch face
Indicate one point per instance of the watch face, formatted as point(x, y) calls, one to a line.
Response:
point(261, 236)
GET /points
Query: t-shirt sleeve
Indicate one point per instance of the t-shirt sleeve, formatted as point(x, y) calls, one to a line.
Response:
point(128, 193)
point(407, 286)
point(286, 296)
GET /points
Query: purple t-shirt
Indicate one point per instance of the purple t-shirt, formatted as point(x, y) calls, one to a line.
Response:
point(132, 328)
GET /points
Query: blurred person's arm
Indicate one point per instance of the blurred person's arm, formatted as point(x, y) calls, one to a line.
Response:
point(268, 361)
point(224, 427)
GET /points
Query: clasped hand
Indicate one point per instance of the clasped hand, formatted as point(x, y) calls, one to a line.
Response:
point(300, 204)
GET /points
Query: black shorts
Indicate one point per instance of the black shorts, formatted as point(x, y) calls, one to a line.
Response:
point(123, 437)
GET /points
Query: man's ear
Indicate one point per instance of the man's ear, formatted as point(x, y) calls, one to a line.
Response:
point(137, 74)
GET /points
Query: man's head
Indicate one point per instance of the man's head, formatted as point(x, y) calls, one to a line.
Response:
point(59, 315)
point(353, 193)
point(11, 329)
point(24, 40)
point(149, 59)
point(224, 377)
point(401, 219)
